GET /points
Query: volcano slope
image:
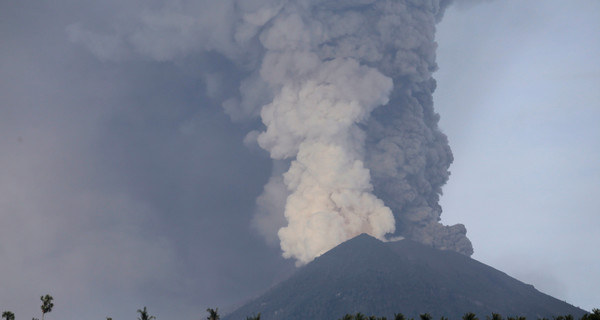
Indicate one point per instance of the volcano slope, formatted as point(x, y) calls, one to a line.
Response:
point(376, 278)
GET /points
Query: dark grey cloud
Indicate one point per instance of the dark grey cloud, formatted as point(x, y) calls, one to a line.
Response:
point(123, 184)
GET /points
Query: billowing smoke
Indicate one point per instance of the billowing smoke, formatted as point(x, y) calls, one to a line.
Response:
point(353, 110)
point(344, 91)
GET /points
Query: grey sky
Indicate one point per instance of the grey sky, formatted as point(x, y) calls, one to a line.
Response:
point(123, 185)
point(518, 95)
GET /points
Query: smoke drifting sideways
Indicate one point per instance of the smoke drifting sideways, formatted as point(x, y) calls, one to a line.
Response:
point(344, 93)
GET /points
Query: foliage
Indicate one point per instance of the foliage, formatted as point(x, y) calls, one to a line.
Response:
point(399, 316)
point(495, 316)
point(425, 316)
point(469, 316)
point(144, 314)
point(360, 316)
point(213, 314)
point(595, 315)
point(256, 317)
point(8, 315)
point(47, 304)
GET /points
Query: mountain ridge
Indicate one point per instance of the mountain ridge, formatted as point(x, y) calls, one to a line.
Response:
point(369, 276)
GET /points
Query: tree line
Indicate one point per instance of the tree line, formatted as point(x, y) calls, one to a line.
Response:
point(46, 307)
point(595, 315)
point(213, 314)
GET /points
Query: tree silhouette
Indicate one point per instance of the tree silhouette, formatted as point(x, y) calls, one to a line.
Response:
point(256, 317)
point(399, 316)
point(360, 316)
point(595, 315)
point(425, 316)
point(469, 316)
point(213, 314)
point(47, 304)
point(495, 316)
point(8, 315)
point(144, 314)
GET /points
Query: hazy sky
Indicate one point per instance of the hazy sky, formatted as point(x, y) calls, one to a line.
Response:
point(125, 185)
point(518, 93)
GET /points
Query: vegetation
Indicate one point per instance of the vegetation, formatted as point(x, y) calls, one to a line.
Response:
point(425, 316)
point(594, 315)
point(47, 304)
point(8, 315)
point(399, 316)
point(144, 314)
point(256, 317)
point(213, 314)
point(495, 316)
point(469, 316)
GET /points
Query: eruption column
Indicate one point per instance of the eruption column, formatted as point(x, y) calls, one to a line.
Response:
point(314, 119)
point(353, 111)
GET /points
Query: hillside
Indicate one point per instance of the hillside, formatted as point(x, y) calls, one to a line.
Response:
point(376, 278)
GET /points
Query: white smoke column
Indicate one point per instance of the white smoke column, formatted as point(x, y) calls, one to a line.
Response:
point(314, 119)
point(331, 63)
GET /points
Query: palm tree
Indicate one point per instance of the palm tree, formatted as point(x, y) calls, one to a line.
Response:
point(213, 314)
point(399, 316)
point(360, 316)
point(256, 317)
point(8, 315)
point(144, 314)
point(425, 316)
point(47, 304)
point(495, 316)
point(469, 316)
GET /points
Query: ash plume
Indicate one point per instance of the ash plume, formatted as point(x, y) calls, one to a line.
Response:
point(344, 92)
point(356, 139)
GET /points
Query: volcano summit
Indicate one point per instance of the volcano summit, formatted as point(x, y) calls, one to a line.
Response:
point(383, 278)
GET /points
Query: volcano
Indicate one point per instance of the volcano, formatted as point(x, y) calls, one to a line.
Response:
point(379, 278)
